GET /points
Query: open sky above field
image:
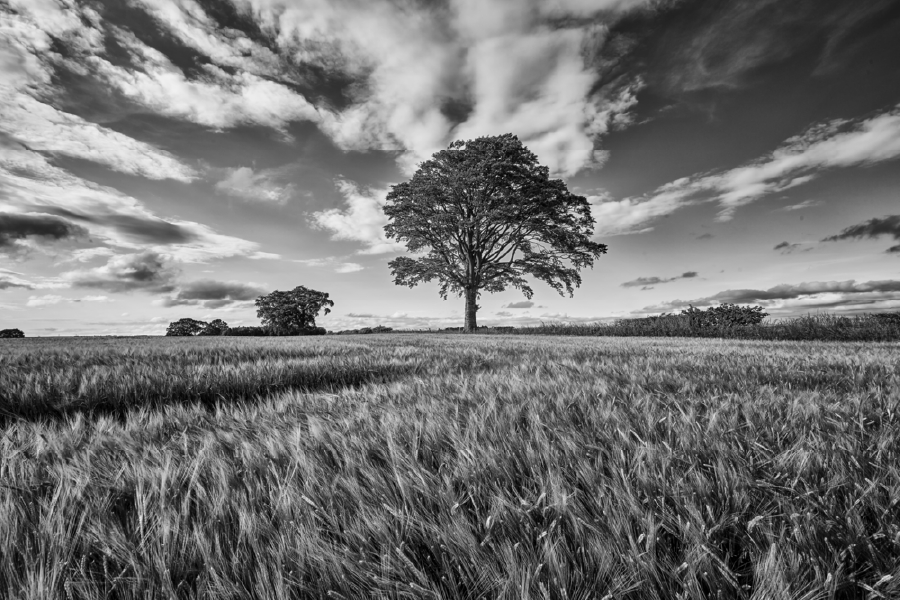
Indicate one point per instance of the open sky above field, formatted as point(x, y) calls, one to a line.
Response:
point(162, 159)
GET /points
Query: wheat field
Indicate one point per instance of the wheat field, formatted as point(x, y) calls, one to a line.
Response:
point(442, 466)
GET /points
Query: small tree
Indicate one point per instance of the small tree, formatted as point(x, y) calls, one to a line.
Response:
point(293, 312)
point(483, 214)
point(11, 333)
point(185, 327)
point(215, 327)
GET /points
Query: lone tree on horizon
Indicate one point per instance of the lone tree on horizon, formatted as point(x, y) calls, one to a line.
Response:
point(484, 213)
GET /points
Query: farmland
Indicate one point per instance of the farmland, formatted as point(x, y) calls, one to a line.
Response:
point(449, 466)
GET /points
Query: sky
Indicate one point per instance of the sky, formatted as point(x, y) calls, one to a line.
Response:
point(162, 159)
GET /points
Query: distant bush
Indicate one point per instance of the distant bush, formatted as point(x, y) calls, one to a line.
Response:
point(725, 315)
point(265, 331)
point(246, 331)
point(11, 333)
point(363, 330)
point(821, 327)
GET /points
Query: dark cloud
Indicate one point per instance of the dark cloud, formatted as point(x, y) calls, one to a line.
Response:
point(522, 304)
point(6, 283)
point(705, 236)
point(889, 225)
point(18, 227)
point(849, 291)
point(362, 315)
point(139, 229)
point(213, 294)
point(893, 249)
point(646, 283)
point(146, 271)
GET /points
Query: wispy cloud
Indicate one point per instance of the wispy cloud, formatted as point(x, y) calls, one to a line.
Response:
point(337, 263)
point(835, 144)
point(522, 304)
point(52, 299)
point(646, 282)
point(842, 296)
point(802, 205)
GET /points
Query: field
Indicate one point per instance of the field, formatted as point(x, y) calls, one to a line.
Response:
point(449, 466)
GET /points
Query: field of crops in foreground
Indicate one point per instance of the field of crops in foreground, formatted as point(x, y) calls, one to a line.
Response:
point(400, 466)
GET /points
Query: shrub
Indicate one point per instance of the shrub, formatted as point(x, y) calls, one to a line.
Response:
point(723, 316)
point(246, 331)
point(11, 333)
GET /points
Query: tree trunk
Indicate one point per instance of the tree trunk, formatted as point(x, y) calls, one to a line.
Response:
point(471, 309)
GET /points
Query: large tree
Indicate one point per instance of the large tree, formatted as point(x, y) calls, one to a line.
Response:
point(185, 327)
point(293, 312)
point(483, 214)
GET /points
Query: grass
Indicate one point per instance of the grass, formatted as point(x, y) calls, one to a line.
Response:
point(398, 466)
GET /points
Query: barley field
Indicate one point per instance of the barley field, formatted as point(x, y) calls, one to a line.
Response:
point(449, 466)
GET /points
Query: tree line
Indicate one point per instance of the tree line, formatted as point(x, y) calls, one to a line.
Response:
point(291, 312)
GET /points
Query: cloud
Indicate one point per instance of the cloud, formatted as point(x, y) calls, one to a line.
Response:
point(705, 236)
point(42, 128)
point(17, 227)
point(7, 282)
point(146, 271)
point(46, 300)
point(213, 294)
point(348, 268)
point(873, 228)
point(372, 74)
point(645, 282)
point(424, 76)
point(51, 299)
point(332, 261)
point(846, 296)
point(362, 220)
point(30, 184)
point(260, 186)
point(785, 247)
point(522, 304)
point(835, 144)
point(802, 205)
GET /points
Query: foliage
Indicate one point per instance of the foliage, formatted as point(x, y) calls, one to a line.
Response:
point(725, 315)
point(215, 327)
point(247, 331)
point(450, 467)
point(293, 312)
point(483, 214)
point(185, 327)
point(11, 333)
point(365, 330)
point(820, 327)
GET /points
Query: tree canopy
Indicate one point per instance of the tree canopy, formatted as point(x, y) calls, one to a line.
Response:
point(11, 333)
point(185, 327)
point(482, 215)
point(214, 327)
point(292, 312)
